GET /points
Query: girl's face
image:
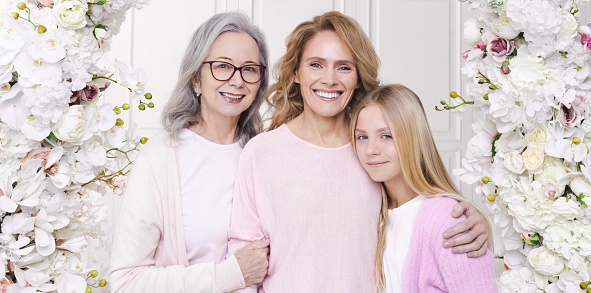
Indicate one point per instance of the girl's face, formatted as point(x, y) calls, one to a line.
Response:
point(376, 149)
point(231, 97)
point(327, 75)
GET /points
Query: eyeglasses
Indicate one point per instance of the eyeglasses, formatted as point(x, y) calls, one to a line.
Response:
point(223, 71)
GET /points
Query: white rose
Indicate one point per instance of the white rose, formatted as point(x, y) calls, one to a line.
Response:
point(72, 125)
point(580, 185)
point(537, 135)
point(553, 170)
point(569, 25)
point(70, 14)
point(533, 158)
point(569, 208)
point(514, 162)
point(472, 34)
point(545, 261)
point(501, 26)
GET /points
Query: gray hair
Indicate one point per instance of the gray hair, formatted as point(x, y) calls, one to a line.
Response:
point(183, 109)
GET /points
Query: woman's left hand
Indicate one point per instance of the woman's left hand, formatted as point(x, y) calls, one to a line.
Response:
point(474, 240)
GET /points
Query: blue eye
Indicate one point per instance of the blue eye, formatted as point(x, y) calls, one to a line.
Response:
point(344, 68)
point(315, 65)
point(386, 136)
point(361, 137)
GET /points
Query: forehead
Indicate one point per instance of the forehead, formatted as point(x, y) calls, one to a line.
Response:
point(237, 47)
point(327, 45)
point(371, 118)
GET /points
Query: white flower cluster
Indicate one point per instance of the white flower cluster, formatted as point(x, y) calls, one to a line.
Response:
point(61, 150)
point(529, 67)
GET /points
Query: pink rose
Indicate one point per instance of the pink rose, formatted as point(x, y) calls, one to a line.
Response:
point(500, 48)
point(568, 117)
point(91, 91)
point(76, 96)
point(46, 3)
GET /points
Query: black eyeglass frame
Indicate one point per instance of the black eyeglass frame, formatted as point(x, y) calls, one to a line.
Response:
point(236, 68)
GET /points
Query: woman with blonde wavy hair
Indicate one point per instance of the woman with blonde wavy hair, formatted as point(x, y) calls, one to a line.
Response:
point(300, 184)
point(392, 139)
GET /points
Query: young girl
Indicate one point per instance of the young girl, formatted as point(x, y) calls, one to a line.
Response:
point(394, 144)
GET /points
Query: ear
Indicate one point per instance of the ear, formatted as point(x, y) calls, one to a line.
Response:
point(196, 85)
point(296, 78)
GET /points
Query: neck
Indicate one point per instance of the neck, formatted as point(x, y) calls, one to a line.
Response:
point(321, 131)
point(220, 130)
point(399, 192)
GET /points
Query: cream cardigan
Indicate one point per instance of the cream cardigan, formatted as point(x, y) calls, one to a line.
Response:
point(149, 250)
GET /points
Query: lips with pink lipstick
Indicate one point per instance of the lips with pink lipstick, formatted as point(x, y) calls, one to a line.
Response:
point(231, 98)
point(328, 95)
point(377, 164)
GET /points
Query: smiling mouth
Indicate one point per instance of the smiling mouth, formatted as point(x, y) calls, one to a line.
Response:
point(231, 97)
point(328, 95)
point(376, 164)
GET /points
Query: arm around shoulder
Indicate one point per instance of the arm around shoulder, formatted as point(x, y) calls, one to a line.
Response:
point(460, 273)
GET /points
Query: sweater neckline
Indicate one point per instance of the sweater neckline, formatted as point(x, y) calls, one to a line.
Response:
point(285, 128)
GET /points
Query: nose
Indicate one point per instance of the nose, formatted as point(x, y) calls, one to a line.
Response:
point(373, 148)
point(329, 77)
point(236, 79)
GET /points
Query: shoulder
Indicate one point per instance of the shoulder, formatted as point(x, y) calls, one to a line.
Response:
point(158, 149)
point(437, 210)
point(266, 140)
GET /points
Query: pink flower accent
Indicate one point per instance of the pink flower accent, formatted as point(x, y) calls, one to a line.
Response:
point(46, 3)
point(585, 32)
point(500, 48)
point(41, 153)
point(568, 116)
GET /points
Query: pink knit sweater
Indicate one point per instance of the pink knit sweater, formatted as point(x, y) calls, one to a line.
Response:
point(432, 268)
point(317, 206)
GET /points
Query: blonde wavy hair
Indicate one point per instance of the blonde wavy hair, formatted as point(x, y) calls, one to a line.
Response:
point(284, 97)
point(420, 163)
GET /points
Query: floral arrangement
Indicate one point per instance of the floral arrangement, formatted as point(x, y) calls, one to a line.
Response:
point(61, 149)
point(528, 77)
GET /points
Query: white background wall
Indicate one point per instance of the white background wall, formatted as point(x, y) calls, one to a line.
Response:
point(419, 43)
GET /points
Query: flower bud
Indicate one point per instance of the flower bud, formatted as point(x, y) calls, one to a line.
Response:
point(119, 122)
point(150, 105)
point(588, 290)
point(583, 285)
point(143, 140)
point(442, 102)
point(93, 273)
point(102, 283)
point(485, 179)
point(41, 29)
point(88, 289)
point(481, 81)
point(453, 95)
point(491, 197)
point(117, 110)
point(148, 96)
point(142, 107)
point(21, 5)
point(576, 140)
point(125, 106)
point(14, 15)
point(485, 97)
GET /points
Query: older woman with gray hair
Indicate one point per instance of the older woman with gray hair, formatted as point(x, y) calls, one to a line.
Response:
point(172, 230)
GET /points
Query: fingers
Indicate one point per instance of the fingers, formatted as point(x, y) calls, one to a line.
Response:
point(458, 228)
point(262, 243)
point(470, 246)
point(479, 252)
point(460, 208)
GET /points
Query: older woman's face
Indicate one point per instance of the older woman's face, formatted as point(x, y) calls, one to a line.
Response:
point(327, 75)
point(231, 97)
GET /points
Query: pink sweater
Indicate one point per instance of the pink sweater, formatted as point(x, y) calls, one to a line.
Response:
point(317, 206)
point(432, 268)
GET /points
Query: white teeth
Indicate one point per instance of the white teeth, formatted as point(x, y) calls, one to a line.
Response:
point(232, 97)
point(328, 95)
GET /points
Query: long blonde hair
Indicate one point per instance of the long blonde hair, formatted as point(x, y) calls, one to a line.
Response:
point(284, 97)
point(420, 163)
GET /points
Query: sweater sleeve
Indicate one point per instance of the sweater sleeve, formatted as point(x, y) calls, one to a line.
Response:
point(136, 244)
point(459, 272)
point(246, 225)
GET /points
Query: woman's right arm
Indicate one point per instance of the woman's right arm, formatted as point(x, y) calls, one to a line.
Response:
point(138, 233)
